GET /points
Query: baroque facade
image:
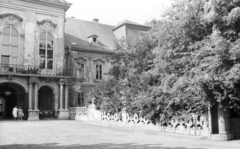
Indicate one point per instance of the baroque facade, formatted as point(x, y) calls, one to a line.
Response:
point(32, 58)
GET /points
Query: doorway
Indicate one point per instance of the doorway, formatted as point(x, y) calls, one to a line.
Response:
point(12, 95)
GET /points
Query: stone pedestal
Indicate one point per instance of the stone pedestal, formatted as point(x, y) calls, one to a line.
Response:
point(223, 125)
point(93, 114)
point(124, 116)
point(33, 115)
point(222, 137)
point(63, 114)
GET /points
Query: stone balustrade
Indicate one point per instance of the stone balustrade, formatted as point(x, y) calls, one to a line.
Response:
point(78, 113)
point(191, 126)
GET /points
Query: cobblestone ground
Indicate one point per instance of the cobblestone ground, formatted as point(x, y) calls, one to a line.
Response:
point(79, 135)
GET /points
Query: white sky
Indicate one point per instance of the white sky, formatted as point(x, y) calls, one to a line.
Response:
point(113, 11)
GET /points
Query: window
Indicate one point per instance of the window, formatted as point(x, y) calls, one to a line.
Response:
point(80, 71)
point(9, 51)
point(99, 72)
point(80, 99)
point(94, 39)
point(46, 50)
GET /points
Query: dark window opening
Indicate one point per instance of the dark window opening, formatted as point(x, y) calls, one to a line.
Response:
point(99, 72)
point(80, 99)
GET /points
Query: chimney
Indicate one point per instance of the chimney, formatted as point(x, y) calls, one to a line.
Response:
point(95, 20)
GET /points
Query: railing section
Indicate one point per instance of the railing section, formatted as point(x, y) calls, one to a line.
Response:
point(33, 70)
point(78, 113)
point(192, 126)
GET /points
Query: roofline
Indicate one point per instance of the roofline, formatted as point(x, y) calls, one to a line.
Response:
point(65, 6)
point(149, 27)
point(74, 48)
point(89, 21)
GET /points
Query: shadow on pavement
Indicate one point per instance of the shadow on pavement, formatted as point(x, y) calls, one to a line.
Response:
point(92, 146)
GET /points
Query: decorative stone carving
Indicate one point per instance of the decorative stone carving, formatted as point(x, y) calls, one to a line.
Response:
point(10, 77)
point(80, 60)
point(98, 61)
point(22, 34)
point(11, 19)
point(46, 24)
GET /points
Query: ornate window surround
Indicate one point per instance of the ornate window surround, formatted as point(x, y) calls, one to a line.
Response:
point(47, 25)
point(14, 21)
point(81, 61)
point(101, 63)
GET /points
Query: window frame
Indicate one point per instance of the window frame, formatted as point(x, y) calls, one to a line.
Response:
point(82, 67)
point(80, 99)
point(10, 45)
point(99, 71)
point(46, 49)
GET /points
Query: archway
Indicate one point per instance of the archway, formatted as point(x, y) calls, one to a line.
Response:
point(45, 98)
point(12, 94)
point(46, 103)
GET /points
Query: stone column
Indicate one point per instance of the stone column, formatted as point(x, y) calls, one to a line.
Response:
point(33, 115)
point(209, 121)
point(30, 96)
point(223, 120)
point(35, 96)
point(63, 113)
point(66, 96)
point(61, 95)
point(223, 125)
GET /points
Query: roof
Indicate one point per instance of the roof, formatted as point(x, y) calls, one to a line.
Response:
point(60, 1)
point(128, 22)
point(77, 31)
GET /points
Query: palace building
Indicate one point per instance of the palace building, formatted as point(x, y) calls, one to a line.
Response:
point(32, 58)
point(41, 49)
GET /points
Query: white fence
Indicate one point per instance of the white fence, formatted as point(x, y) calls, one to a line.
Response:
point(194, 125)
point(78, 113)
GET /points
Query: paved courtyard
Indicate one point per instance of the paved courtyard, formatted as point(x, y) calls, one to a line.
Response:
point(79, 135)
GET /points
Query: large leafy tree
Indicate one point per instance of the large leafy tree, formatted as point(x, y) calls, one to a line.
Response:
point(186, 62)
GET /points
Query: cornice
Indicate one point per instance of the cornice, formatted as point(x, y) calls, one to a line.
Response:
point(39, 11)
point(51, 3)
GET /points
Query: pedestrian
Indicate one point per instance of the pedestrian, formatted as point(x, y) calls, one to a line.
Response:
point(15, 112)
point(20, 114)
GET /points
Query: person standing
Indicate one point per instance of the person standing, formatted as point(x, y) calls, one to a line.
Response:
point(15, 112)
point(20, 113)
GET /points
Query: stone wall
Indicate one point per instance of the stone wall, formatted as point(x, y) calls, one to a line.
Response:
point(235, 124)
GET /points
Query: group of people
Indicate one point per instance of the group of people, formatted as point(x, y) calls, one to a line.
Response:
point(17, 113)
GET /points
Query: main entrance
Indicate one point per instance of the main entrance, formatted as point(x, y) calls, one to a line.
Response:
point(11, 95)
point(46, 103)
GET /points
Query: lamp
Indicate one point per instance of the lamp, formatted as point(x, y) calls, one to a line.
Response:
point(7, 93)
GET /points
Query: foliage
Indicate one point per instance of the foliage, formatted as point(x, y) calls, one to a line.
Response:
point(188, 61)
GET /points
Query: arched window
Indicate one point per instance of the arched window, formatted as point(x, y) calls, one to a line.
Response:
point(9, 52)
point(46, 50)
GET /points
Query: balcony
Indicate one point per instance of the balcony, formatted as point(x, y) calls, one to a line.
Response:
point(33, 70)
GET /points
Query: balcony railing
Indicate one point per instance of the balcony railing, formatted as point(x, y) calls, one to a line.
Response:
point(33, 70)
